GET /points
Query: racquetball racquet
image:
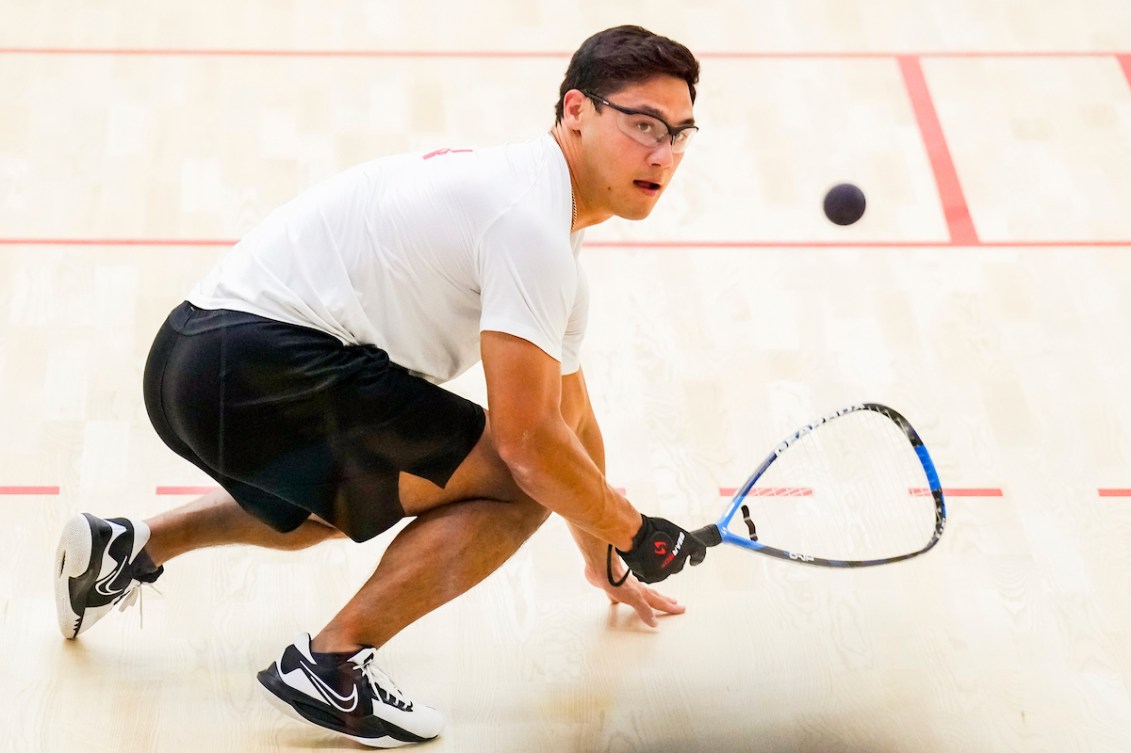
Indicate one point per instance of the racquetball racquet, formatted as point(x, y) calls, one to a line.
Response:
point(852, 489)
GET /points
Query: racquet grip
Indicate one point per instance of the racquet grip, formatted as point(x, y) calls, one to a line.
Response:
point(709, 535)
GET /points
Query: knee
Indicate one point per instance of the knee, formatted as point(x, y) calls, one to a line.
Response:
point(531, 516)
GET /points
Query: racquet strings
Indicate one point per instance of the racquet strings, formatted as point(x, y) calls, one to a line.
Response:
point(850, 489)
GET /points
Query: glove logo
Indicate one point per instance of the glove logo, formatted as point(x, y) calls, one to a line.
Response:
point(675, 552)
point(660, 547)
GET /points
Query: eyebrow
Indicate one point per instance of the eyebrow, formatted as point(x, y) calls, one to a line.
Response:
point(648, 110)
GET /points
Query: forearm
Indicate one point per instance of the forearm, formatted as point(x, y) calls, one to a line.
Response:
point(650, 563)
point(594, 552)
point(592, 549)
point(536, 415)
point(554, 467)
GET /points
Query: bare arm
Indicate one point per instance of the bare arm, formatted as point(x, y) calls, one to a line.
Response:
point(578, 413)
point(547, 459)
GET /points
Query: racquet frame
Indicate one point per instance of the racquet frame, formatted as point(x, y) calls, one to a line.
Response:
point(719, 532)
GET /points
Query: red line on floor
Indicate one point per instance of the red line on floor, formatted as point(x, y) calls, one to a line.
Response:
point(970, 492)
point(1125, 64)
point(190, 242)
point(29, 490)
point(184, 490)
point(957, 214)
point(235, 52)
point(856, 244)
point(510, 54)
point(1115, 492)
point(767, 244)
point(658, 244)
point(729, 491)
point(769, 491)
point(887, 55)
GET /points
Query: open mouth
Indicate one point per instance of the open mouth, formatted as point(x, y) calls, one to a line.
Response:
point(647, 184)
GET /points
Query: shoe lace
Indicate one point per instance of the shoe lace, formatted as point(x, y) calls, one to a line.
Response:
point(383, 686)
point(133, 595)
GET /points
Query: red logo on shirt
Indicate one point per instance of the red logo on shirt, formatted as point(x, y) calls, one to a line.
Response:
point(438, 152)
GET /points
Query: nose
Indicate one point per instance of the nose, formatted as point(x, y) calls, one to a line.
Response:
point(662, 154)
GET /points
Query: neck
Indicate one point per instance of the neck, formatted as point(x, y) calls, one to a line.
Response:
point(570, 144)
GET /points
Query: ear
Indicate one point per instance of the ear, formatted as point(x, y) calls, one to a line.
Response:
point(572, 104)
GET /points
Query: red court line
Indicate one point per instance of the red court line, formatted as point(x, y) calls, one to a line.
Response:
point(235, 52)
point(729, 491)
point(184, 490)
point(957, 214)
point(532, 54)
point(29, 490)
point(769, 491)
point(1115, 492)
point(174, 491)
point(657, 244)
point(888, 54)
point(189, 242)
point(970, 492)
point(853, 244)
point(1125, 64)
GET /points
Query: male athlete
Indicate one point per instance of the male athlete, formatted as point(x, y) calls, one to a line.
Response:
point(302, 375)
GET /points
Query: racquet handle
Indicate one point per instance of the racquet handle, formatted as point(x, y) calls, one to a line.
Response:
point(709, 535)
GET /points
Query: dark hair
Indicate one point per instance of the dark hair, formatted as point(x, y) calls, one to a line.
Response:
point(624, 55)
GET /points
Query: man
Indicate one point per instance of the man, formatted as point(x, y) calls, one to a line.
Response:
point(302, 374)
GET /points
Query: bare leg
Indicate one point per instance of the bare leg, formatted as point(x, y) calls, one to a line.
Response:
point(216, 519)
point(462, 534)
point(439, 556)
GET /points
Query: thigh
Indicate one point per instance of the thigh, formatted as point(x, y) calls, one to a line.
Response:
point(285, 416)
point(481, 475)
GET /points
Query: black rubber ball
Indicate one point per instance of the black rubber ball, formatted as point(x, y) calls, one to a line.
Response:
point(844, 204)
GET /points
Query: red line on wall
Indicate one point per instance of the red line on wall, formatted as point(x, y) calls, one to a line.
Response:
point(957, 214)
point(1115, 492)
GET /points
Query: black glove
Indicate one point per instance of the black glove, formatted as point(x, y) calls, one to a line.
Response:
point(659, 549)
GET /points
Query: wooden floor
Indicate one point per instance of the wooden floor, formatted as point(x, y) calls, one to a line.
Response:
point(986, 294)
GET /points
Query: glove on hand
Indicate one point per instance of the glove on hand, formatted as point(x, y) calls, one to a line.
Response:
point(659, 549)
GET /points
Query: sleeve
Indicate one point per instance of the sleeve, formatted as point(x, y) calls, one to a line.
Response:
point(528, 285)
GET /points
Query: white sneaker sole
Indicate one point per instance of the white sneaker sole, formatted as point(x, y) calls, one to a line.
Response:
point(286, 708)
point(72, 558)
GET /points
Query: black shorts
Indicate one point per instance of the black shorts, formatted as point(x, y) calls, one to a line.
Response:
point(290, 422)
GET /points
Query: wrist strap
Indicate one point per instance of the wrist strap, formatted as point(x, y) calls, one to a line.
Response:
point(609, 570)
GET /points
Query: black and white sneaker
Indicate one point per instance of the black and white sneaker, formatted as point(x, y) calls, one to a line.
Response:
point(96, 567)
point(349, 695)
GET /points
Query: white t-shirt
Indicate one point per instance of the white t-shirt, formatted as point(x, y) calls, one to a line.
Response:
point(419, 253)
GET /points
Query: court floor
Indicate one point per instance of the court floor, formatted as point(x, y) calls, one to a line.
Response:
point(986, 294)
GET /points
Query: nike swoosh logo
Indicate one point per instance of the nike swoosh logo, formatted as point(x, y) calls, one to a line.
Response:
point(100, 585)
point(334, 699)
